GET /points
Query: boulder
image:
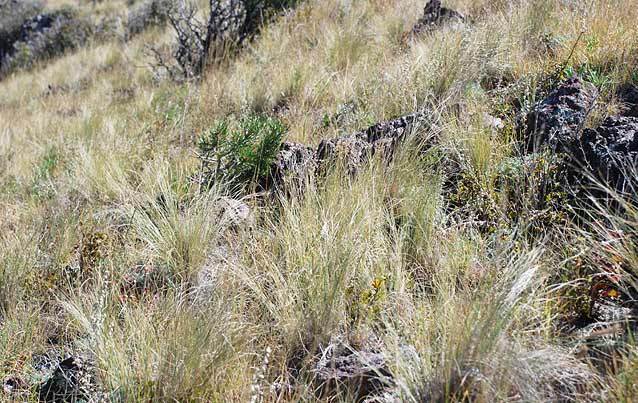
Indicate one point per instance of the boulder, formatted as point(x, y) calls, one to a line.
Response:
point(362, 373)
point(66, 383)
point(610, 150)
point(45, 36)
point(294, 164)
point(234, 213)
point(382, 137)
point(628, 96)
point(557, 120)
point(353, 150)
point(396, 128)
point(434, 15)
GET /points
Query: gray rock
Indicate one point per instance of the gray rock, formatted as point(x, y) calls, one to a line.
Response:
point(362, 373)
point(381, 137)
point(353, 150)
point(234, 213)
point(67, 382)
point(294, 164)
point(434, 15)
point(557, 120)
point(396, 128)
point(628, 96)
point(611, 151)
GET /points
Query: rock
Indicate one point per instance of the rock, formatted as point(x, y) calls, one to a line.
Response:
point(47, 35)
point(609, 150)
point(217, 263)
point(234, 213)
point(363, 373)
point(396, 128)
point(294, 164)
point(492, 122)
point(628, 96)
point(557, 120)
point(358, 147)
point(434, 16)
point(353, 150)
point(12, 385)
point(66, 382)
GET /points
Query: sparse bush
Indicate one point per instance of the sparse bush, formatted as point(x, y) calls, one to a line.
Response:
point(230, 24)
point(240, 153)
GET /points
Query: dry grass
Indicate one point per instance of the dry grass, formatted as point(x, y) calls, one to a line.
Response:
point(90, 141)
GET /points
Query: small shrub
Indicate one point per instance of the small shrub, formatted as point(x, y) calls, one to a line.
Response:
point(229, 25)
point(240, 153)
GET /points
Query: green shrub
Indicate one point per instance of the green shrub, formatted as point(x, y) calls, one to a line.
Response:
point(241, 152)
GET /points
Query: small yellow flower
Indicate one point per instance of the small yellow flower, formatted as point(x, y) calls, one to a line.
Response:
point(613, 293)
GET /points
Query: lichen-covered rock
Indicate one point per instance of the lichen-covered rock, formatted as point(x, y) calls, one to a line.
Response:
point(434, 15)
point(357, 148)
point(234, 213)
point(68, 383)
point(396, 128)
point(46, 35)
point(611, 151)
point(557, 120)
point(362, 373)
point(628, 96)
point(294, 164)
point(13, 13)
point(352, 150)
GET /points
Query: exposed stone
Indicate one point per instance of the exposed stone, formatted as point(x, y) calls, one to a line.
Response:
point(362, 373)
point(381, 137)
point(353, 150)
point(12, 385)
point(46, 35)
point(217, 262)
point(66, 383)
point(609, 150)
point(294, 164)
point(434, 15)
point(234, 213)
point(492, 122)
point(628, 96)
point(557, 120)
point(396, 128)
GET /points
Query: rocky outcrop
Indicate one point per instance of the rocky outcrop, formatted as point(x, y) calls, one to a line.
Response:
point(44, 36)
point(295, 163)
point(362, 373)
point(234, 214)
point(610, 151)
point(434, 15)
point(352, 150)
point(67, 383)
point(557, 120)
point(628, 97)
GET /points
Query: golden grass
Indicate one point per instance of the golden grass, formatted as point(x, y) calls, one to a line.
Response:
point(90, 140)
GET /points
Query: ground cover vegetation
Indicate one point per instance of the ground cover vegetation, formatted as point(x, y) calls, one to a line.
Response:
point(318, 201)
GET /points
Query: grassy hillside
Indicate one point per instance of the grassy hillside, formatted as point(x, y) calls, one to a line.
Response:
point(444, 274)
